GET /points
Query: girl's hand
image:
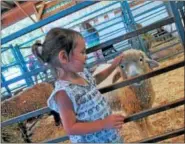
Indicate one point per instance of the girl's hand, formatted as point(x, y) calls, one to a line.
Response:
point(117, 60)
point(114, 121)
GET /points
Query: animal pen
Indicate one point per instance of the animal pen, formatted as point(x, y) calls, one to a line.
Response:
point(121, 26)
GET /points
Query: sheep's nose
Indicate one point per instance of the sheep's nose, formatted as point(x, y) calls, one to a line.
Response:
point(134, 74)
point(133, 71)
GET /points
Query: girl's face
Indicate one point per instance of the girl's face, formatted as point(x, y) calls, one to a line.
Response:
point(78, 57)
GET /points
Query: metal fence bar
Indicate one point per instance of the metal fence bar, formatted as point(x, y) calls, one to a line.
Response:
point(102, 90)
point(142, 77)
point(91, 13)
point(165, 48)
point(147, 11)
point(163, 41)
point(163, 36)
point(25, 116)
point(57, 140)
point(4, 67)
point(35, 38)
point(23, 76)
point(66, 24)
point(139, 116)
point(73, 21)
point(148, 2)
point(178, 22)
point(48, 20)
point(172, 55)
point(113, 41)
point(157, 13)
point(107, 58)
point(101, 29)
point(154, 110)
point(164, 136)
point(132, 34)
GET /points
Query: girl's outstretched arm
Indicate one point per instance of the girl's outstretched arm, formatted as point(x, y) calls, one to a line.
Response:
point(105, 73)
point(73, 127)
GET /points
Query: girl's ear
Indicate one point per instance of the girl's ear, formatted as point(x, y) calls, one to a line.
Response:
point(63, 57)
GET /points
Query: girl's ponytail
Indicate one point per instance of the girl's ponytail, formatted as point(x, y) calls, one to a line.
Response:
point(37, 50)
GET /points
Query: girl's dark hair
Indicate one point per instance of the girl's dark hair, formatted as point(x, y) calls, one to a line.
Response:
point(57, 39)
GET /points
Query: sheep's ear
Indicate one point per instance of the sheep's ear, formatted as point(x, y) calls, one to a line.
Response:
point(116, 77)
point(152, 63)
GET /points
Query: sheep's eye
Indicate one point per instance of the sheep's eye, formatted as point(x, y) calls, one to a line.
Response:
point(122, 66)
point(141, 59)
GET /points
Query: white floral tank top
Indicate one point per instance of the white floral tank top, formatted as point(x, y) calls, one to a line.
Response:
point(89, 105)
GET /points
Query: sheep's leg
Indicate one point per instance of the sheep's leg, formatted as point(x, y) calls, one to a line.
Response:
point(23, 130)
point(57, 118)
point(149, 128)
point(142, 128)
point(146, 127)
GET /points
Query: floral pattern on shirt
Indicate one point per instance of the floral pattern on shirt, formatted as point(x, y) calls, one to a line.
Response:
point(89, 105)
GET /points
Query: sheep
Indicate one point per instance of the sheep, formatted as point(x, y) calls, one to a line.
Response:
point(136, 97)
point(26, 101)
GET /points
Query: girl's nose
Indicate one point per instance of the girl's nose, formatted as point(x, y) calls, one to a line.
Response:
point(85, 57)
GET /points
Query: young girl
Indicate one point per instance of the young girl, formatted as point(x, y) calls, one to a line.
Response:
point(85, 114)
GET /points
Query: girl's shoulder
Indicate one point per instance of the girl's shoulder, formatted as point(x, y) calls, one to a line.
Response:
point(60, 85)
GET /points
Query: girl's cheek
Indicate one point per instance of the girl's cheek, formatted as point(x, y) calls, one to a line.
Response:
point(77, 62)
point(80, 58)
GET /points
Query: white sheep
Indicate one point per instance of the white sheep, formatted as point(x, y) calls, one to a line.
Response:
point(136, 97)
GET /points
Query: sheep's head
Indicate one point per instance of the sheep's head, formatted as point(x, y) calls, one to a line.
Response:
point(135, 63)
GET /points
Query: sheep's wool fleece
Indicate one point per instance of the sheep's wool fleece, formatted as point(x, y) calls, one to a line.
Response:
point(89, 105)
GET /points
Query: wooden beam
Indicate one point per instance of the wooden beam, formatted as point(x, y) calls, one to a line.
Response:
point(49, 4)
point(14, 15)
point(59, 9)
point(40, 12)
point(18, 5)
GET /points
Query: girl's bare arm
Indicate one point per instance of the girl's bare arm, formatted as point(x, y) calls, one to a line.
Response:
point(105, 73)
point(73, 127)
